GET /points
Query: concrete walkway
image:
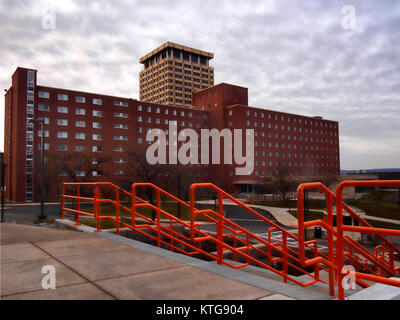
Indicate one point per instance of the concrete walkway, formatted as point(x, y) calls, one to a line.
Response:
point(280, 214)
point(94, 266)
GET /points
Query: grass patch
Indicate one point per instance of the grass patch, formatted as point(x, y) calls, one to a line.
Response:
point(311, 215)
point(379, 204)
point(383, 224)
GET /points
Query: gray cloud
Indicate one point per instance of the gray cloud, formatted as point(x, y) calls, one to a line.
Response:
point(293, 56)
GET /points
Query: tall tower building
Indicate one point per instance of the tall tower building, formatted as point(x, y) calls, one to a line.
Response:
point(172, 72)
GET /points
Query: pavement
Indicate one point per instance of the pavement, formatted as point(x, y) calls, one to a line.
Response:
point(105, 266)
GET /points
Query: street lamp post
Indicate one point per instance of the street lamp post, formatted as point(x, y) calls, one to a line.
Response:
point(2, 166)
point(42, 216)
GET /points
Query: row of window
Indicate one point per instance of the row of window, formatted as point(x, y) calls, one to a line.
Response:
point(80, 111)
point(296, 171)
point(288, 119)
point(80, 99)
point(82, 173)
point(81, 136)
point(175, 112)
point(166, 122)
point(288, 128)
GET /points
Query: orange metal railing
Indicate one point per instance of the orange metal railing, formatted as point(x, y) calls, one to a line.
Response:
point(235, 242)
point(387, 265)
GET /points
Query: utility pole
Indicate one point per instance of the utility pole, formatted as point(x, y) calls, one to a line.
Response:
point(42, 216)
point(2, 185)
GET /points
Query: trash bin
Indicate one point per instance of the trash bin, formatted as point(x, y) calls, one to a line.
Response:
point(317, 232)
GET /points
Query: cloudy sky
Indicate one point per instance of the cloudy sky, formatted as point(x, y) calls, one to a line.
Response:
point(301, 57)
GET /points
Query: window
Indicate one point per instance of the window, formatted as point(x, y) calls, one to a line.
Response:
point(97, 136)
point(80, 173)
point(79, 148)
point(46, 147)
point(80, 99)
point(62, 122)
point(43, 107)
point(120, 126)
point(80, 135)
point(120, 161)
point(80, 111)
point(62, 109)
point(97, 125)
point(121, 103)
point(62, 134)
point(80, 124)
point(97, 113)
point(96, 149)
point(45, 119)
point(62, 147)
point(148, 109)
point(120, 115)
point(119, 149)
point(44, 94)
point(63, 97)
point(139, 108)
point(124, 138)
point(97, 101)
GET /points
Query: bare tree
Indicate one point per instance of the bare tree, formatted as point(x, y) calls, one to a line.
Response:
point(281, 182)
point(137, 169)
point(76, 166)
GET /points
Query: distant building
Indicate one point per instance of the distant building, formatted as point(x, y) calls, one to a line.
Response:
point(96, 124)
point(382, 174)
point(172, 72)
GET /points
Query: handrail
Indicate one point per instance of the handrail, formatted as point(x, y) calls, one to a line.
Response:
point(340, 228)
point(370, 266)
point(320, 258)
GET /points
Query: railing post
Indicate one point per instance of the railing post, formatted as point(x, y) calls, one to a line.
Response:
point(96, 206)
point(329, 210)
point(62, 200)
point(284, 257)
point(391, 260)
point(117, 208)
point(300, 220)
point(316, 266)
point(133, 204)
point(158, 219)
point(78, 194)
point(171, 226)
point(220, 231)
point(192, 236)
point(339, 240)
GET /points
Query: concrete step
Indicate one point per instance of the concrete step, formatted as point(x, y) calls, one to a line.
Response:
point(377, 291)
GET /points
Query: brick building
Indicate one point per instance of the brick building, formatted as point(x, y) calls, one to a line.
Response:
point(172, 72)
point(94, 124)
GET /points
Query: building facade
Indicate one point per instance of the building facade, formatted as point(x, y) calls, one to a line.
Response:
point(172, 72)
point(94, 126)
